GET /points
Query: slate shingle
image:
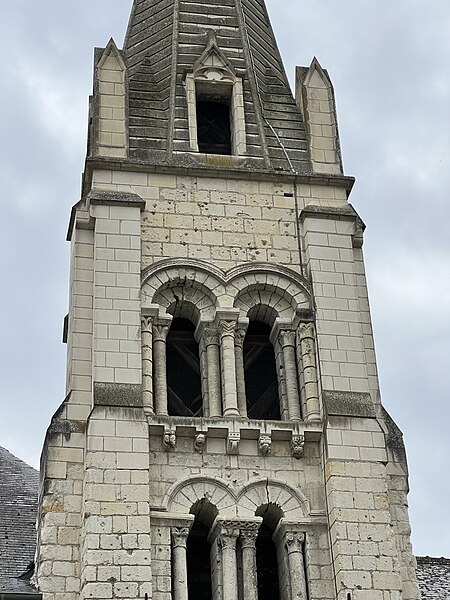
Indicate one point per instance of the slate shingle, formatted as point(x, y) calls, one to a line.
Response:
point(433, 575)
point(19, 485)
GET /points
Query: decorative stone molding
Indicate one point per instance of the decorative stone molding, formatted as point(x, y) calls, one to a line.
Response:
point(233, 441)
point(169, 440)
point(265, 444)
point(200, 442)
point(298, 446)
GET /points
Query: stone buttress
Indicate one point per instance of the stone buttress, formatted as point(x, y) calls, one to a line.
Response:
point(222, 436)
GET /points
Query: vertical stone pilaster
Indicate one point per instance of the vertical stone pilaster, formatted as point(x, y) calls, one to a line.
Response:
point(179, 575)
point(310, 389)
point(160, 331)
point(240, 372)
point(250, 578)
point(290, 543)
point(211, 341)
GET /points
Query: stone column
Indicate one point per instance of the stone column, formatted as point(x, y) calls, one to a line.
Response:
point(160, 331)
point(250, 575)
point(203, 374)
point(179, 540)
point(294, 548)
point(309, 370)
point(228, 536)
point(240, 372)
point(211, 341)
point(147, 319)
point(227, 332)
point(287, 341)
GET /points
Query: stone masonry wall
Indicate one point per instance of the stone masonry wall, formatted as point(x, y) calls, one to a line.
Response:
point(226, 221)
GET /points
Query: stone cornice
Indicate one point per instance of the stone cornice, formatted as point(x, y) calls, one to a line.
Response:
point(235, 168)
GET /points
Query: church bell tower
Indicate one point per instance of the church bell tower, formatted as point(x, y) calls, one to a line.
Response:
point(222, 436)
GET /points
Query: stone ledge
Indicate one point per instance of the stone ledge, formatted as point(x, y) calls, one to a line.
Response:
point(116, 198)
point(349, 404)
point(117, 394)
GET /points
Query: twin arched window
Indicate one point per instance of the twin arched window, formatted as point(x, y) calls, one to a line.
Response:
point(237, 558)
point(184, 373)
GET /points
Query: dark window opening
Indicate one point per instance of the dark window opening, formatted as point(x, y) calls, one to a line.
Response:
point(213, 125)
point(261, 381)
point(199, 563)
point(184, 393)
point(267, 565)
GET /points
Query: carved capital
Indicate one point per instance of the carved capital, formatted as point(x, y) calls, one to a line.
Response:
point(306, 331)
point(248, 538)
point(169, 440)
point(228, 535)
point(200, 442)
point(227, 328)
point(287, 338)
point(265, 444)
point(298, 446)
point(210, 336)
point(239, 336)
point(179, 536)
point(147, 324)
point(294, 541)
point(160, 332)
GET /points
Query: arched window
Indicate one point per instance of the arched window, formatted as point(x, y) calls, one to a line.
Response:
point(198, 557)
point(184, 394)
point(261, 381)
point(267, 557)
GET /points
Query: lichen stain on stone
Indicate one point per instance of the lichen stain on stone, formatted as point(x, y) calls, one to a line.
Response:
point(52, 505)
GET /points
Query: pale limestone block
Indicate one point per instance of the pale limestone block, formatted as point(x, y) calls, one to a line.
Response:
point(343, 452)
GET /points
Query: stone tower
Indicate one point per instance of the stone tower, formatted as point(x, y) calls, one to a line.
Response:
point(222, 437)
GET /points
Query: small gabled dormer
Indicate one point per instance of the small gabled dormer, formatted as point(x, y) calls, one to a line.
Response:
point(215, 105)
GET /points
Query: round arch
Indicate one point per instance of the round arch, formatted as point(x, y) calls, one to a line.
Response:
point(183, 495)
point(257, 494)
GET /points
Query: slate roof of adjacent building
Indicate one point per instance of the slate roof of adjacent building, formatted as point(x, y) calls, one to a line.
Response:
point(433, 575)
point(18, 508)
point(164, 41)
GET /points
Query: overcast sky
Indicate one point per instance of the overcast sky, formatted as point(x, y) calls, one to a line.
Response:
point(390, 64)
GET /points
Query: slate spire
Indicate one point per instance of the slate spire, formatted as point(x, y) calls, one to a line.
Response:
point(165, 39)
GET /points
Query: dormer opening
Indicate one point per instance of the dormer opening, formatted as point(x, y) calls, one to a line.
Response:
point(214, 121)
point(215, 104)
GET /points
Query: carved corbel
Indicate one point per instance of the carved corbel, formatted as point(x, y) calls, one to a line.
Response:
point(233, 443)
point(169, 440)
point(298, 446)
point(265, 444)
point(200, 442)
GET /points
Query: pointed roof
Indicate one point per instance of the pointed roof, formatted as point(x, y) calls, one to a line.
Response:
point(18, 503)
point(164, 41)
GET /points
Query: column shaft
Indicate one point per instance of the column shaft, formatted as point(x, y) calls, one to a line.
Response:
point(179, 565)
point(211, 338)
point(250, 575)
point(290, 371)
point(228, 369)
point(309, 368)
point(159, 368)
point(240, 372)
point(294, 546)
point(229, 565)
point(147, 364)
